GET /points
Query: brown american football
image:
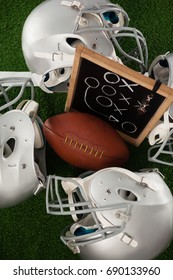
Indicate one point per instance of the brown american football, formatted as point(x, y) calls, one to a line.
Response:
point(85, 141)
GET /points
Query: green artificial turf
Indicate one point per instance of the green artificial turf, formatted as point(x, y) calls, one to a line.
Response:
point(26, 230)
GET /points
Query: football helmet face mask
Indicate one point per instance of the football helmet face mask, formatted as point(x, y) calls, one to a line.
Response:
point(54, 29)
point(161, 136)
point(117, 213)
point(12, 90)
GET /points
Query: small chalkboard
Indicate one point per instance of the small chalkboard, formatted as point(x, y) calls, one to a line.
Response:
point(131, 102)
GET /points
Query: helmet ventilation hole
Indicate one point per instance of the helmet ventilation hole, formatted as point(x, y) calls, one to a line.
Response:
point(62, 71)
point(127, 195)
point(74, 42)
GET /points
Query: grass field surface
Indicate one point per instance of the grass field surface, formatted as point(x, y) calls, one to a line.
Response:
point(26, 230)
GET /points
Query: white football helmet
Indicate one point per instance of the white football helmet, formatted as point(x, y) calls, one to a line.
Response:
point(22, 146)
point(161, 136)
point(118, 214)
point(54, 29)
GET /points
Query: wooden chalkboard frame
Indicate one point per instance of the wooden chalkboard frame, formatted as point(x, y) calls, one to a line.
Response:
point(83, 53)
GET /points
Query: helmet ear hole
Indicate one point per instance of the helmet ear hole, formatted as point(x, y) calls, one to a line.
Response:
point(74, 42)
point(9, 147)
point(164, 63)
point(127, 195)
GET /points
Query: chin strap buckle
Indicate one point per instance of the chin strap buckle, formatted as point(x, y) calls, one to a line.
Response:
point(73, 4)
point(128, 240)
point(71, 245)
point(146, 181)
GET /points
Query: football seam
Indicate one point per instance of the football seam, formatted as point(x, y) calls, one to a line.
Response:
point(68, 145)
point(70, 141)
